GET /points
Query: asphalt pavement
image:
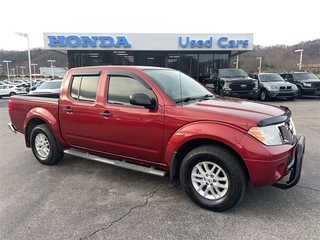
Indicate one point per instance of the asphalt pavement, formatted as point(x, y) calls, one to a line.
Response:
point(82, 199)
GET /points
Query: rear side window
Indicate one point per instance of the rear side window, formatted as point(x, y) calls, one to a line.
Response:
point(84, 88)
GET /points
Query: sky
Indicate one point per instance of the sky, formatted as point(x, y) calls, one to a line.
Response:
point(272, 22)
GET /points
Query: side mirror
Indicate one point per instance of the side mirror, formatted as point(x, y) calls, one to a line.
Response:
point(141, 99)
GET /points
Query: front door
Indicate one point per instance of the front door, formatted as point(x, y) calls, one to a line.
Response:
point(127, 130)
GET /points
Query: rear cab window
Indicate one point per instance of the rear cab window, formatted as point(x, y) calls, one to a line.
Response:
point(84, 87)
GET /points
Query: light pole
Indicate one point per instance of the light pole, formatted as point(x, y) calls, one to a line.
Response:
point(260, 59)
point(29, 58)
point(300, 63)
point(52, 61)
point(8, 73)
point(34, 69)
point(237, 62)
point(13, 73)
point(22, 67)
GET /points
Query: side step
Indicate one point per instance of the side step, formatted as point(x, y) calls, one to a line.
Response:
point(117, 163)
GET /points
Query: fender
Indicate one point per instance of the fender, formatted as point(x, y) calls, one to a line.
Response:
point(49, 119)
point(227, 134)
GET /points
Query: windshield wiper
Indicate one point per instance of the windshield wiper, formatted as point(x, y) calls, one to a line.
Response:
point(187, 99)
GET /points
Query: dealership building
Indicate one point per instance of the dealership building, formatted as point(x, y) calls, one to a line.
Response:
point(194, 54)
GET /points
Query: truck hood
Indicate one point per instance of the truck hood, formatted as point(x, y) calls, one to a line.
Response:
point(250, 113)
point(277, 84)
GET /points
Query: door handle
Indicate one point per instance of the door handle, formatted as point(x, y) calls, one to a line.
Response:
point(68, 109)
point(106, 114)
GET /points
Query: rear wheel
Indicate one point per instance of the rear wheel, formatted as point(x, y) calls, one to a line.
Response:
point(44, 145)
point(213, 177)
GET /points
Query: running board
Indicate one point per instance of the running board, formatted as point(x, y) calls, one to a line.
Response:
point(117, 163)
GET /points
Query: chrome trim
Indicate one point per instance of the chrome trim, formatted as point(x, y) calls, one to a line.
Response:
point(12, 127)
point(117, 163)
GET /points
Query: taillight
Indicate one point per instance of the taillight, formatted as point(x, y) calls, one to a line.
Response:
point(9, 107)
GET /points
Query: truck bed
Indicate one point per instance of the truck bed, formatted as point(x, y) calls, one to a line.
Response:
point(21, 105)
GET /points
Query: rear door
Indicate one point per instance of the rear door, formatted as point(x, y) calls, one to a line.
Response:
point(79, 111)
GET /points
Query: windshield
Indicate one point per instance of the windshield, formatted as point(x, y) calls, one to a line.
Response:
point(177, 85)
point(305, 76)
point(229, 73)
point(50, 85)
point(271, 78)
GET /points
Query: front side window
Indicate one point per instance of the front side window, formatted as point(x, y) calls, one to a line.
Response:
point(84, 88)
point(121, 87)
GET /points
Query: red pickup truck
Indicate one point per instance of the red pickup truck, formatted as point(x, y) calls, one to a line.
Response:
point(158, 120)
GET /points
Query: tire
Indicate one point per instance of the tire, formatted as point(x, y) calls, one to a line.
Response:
point(204, 168)
point(44, 145)
point(12, 94)
point(291, 98)
point(264, 95)
point(299, 93)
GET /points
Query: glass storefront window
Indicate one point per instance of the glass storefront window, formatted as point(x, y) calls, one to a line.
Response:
point(196, 65)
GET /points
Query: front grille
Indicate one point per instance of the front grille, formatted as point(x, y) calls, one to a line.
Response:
point(316, 85)
point(288, 131)
point(241, 86)
point(285, 88)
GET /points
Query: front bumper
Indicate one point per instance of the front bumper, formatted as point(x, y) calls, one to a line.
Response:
point(241, 94)
point(294, 169)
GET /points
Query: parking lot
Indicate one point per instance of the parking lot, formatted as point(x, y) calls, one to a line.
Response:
point(82, 199)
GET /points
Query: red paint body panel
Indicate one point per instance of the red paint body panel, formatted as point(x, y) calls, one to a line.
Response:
point(151, 136)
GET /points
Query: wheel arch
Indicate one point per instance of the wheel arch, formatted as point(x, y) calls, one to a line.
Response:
point(184, 149)
point(38, 116)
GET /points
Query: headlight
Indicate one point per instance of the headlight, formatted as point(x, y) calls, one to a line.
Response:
point(307, 84)
point(268, 135)
point(272, 88)
point(256, 85)
point(226, 86)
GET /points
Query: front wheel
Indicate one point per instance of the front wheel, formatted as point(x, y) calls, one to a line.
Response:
point(299, 93)
point(264, 95)
point(12, 94)
point(44, 145)
point(213, 177)
point(291, 98)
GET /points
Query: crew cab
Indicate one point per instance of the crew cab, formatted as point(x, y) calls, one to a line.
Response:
point(163, 122)
point(233, 82)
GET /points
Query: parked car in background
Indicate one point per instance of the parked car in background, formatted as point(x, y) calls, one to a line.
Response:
point(232, 82)
point(272, 85)
point(7, 90)
point(7, 81)
point(36, 85)
point(52, 86)
point(307, 82)
point(20, 82)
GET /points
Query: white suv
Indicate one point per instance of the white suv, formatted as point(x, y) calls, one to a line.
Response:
point(7, 90)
